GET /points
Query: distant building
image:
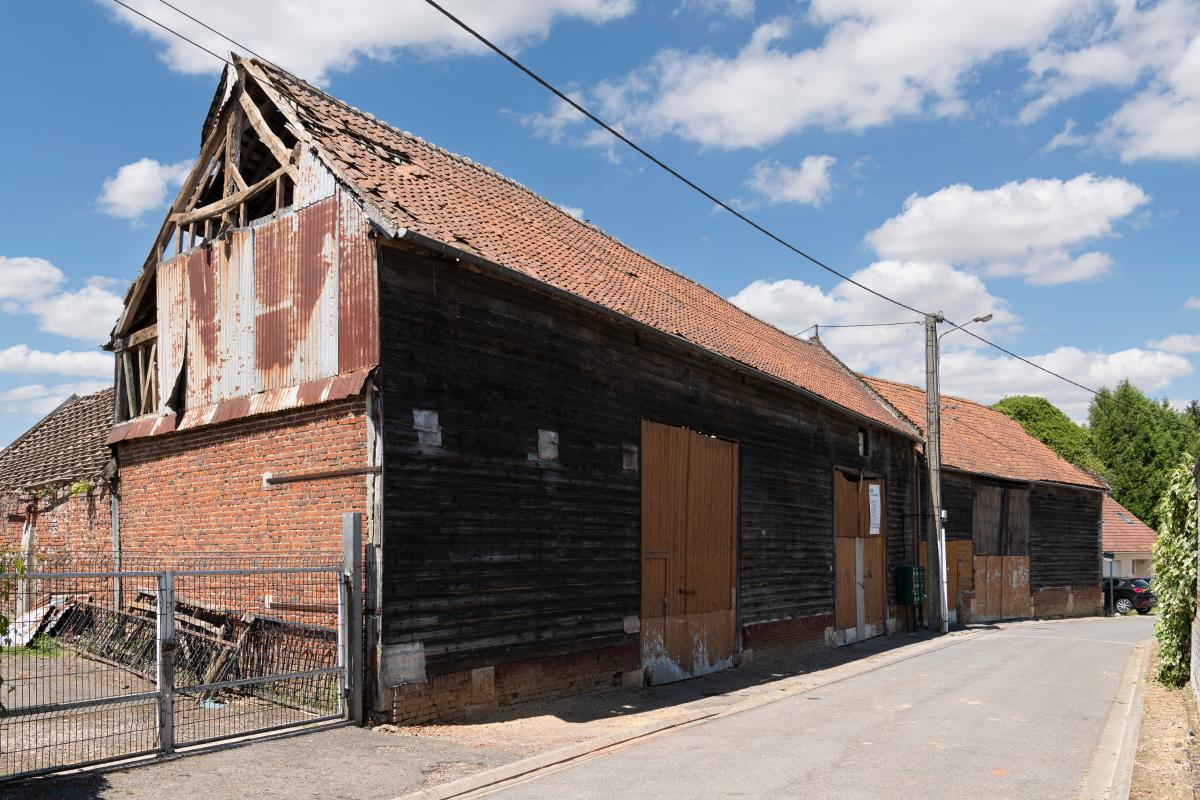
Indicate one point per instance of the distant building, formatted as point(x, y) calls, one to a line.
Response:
point(1129, 540)
point(1022, 524)
point(55, 482)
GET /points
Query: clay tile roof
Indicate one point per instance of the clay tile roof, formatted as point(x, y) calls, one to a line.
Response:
point(1123, 532)
point(420, 188)
point(67, 445)
point(982, 440)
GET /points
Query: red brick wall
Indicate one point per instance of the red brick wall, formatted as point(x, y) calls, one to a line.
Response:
point(458, 695)
point(1068, 601)
point(773, 638)
point(64, 523)
point(202, 490)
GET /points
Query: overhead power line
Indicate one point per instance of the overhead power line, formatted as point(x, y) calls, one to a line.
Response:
point(646, 154)
point(175, 32)
point(660, 163)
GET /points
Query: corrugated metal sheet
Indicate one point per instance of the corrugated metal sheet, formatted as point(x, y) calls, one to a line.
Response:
point(315, 303)
point(270, 308)
point(315, 182)
point(358, 292)
point(172, 322)
point(313, 393)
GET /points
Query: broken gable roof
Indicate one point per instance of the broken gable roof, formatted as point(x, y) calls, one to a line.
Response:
point(65, 446)
point(415, 190)
point(1123, 532)
point(984, 441)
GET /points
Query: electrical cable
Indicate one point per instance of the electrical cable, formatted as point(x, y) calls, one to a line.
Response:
point(174, 32)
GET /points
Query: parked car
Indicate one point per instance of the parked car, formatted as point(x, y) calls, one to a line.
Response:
point(1129, 594)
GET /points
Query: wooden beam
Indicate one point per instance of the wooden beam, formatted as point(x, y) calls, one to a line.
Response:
point(268, 137)
point(130, 394)
point(137, 337)
point(226, 203)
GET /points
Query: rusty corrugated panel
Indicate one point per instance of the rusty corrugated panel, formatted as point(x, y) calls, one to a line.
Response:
point(358, 301)
point(314, 182)
point(172, 321)
point(274, 288)
point(315, 302)
point(234, 372)
point(202, 346)
point(338, 387)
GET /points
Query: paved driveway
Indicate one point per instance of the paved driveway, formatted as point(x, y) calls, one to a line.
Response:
point(1012, 714)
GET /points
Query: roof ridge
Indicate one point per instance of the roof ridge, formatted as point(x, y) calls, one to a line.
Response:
point(469, 162)
point(900, 415)
point(37, 425)
point(943, 395)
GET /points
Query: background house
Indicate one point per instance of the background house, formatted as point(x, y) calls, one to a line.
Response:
point(1129, 540)
point(577, 466)
point(1022, 525)
point(55, 489)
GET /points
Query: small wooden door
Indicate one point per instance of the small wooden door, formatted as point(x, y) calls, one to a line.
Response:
point(689, 552)
point(860, 557)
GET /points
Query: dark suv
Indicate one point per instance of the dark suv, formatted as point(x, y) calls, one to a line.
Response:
point(1129, 594)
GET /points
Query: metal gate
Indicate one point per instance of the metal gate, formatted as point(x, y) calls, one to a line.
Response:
point(108, 664)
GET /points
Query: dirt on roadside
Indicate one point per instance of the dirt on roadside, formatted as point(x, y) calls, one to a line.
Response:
point(1167, 766)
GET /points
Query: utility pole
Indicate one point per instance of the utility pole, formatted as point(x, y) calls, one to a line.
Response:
point(939, 612)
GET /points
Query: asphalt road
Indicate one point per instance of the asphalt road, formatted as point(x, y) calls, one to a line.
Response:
point(1012, 714)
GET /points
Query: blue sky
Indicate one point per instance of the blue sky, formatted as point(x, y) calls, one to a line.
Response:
point(1036, 164)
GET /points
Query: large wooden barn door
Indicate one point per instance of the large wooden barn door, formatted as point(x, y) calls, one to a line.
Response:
point(1001, 546)
point(860, 558)
point(689, 552)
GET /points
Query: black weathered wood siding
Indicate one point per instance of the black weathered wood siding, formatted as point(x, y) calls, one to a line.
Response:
point(1064, 537)
point(492, 556)
point(958, 499)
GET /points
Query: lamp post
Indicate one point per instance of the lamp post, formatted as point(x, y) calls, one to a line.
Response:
point(933, 458)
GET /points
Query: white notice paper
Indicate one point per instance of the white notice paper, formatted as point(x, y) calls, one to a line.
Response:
point(873, 497)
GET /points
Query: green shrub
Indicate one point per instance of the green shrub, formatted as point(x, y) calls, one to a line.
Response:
point(1175, 573)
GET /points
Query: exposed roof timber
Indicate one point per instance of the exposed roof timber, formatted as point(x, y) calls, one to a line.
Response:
point(228, 202)
point(285, 157)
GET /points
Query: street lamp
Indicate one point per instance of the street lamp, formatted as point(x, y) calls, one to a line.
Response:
point(933, 455)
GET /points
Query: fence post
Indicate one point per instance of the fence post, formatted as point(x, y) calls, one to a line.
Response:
point(165, 656)
point(352, 555)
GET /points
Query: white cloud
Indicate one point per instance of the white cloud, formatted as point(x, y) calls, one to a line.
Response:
point(573, 211)
point(1192, 304)
point(738, 9)
point(35, 401)
point(313, 37)
point(986, 379)
point(878, 60)
point(1026, 228)
point(35, 286)
point(25, 280)
point(1152, 49)
point(1067, 137)
point(87, 314)
point(808, 184)
point(140, 187)
point(1179, 343)
point(795, 305)
point(20, 359)
point(969, 368)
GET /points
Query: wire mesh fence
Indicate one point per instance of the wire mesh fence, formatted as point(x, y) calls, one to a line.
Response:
point(102, 664)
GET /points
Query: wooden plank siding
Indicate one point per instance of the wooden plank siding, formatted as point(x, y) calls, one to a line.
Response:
point(958, 499)
point(492, 555)
point(1064, 537)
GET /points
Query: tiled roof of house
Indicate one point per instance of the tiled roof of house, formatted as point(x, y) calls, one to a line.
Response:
point(67, 445)
point(982, 440)
point(420, 188)
point(1123, 532)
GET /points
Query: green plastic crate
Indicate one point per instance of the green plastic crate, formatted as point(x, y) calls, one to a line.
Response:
point(910, 585)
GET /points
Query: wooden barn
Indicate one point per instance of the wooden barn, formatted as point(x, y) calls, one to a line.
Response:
point(1023, 526)
point(578, 467)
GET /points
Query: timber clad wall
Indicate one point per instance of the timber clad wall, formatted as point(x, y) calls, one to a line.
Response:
point(201, 490)
point(493, 554)
point(958, 499)
point(1064, 541)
